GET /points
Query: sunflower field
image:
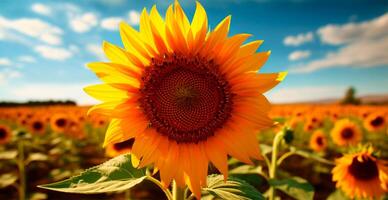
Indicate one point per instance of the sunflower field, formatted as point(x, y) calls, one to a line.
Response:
point(180, 112)
point(320, 155)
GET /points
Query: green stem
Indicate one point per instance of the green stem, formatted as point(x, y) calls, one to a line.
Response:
point(127, 195)
point(177, 192)
point(22, 174)
point(159, 184)
point(272, 171)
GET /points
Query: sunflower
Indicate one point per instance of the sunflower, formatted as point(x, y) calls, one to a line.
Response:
point(59, 122)
point(5, 134)
point(346, 132)
point(318, 141)
point(361, 174)
point(375, 122)
point(119, 148)
point(185, 94)
point(37, 126)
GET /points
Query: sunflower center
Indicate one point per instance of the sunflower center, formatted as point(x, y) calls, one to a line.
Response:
point(60, 122)
point(37, 126)
point(127, 144)
point(364, 170)
point(185, 98)
point(377, 121)
point(320, 141)
point(3, 133)
point(347, 133)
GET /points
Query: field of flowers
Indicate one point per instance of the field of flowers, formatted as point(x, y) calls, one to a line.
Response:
point(41, 145)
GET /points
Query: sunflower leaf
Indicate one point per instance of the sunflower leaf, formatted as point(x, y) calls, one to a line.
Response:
point(7, 180)
point(233, 188)
point(117, 174)
point(296, 187)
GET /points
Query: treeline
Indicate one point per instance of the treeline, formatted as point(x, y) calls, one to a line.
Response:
point(37, 103)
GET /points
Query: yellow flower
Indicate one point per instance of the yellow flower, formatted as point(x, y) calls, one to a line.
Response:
point(318, 141)
point(5, 134)
point(189, 96)
point(375, 122)
point(346, 132)
point(361, 175)
point(59, 122)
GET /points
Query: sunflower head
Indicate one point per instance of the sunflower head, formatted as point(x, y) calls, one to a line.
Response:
point(318, 141)
point(5, 134)
point(186, 94)
point(37, 125)
point(361, 175)
point(375, 122)
point(346, 132)
point(59, 122)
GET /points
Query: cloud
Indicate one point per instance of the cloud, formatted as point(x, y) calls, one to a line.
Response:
point(41, 9)
point(27, 59)
point(7, 75)
point(44, 91)
point(299, 39)
point(53, 53)
point(14, 29)
point(352, 32)
point(5, 62)
point(133, 17)
point(82, 23)
point(298, 55)
point(96, 50)
point(363, 45)
point(111, 23)
point(310, 93)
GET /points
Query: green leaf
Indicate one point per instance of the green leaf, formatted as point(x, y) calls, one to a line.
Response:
point(233, 188)
point(295, 187)
point(8, 155)
point(117, 174)
point(36, 157)
point(7, 180)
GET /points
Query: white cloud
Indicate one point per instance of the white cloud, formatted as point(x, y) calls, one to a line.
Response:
point(96, 50)
point(44, 91)
point(53, 53)
point(133, 17)
point(298, 55)
point(27, 59)
point(7, 75)
point(41, 9)
point(5, 62)
point(352, 32)
point(310, 93)
point(364, 45)
point(298, 39)
point(82, 23)
point(14, 29)
point(111, 23)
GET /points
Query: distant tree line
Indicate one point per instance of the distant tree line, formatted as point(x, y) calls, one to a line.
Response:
point(37, 103)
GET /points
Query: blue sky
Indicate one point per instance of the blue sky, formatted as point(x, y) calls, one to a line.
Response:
point(326, 46)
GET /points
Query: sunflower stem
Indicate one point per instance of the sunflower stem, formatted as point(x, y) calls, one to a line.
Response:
point(22, 174)
point(272, 171)
point(159, 184)
point(177, 192)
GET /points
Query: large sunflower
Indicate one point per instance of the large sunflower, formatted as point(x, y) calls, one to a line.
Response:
point(361, 174)
point(189, 96)
point(346, 132)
